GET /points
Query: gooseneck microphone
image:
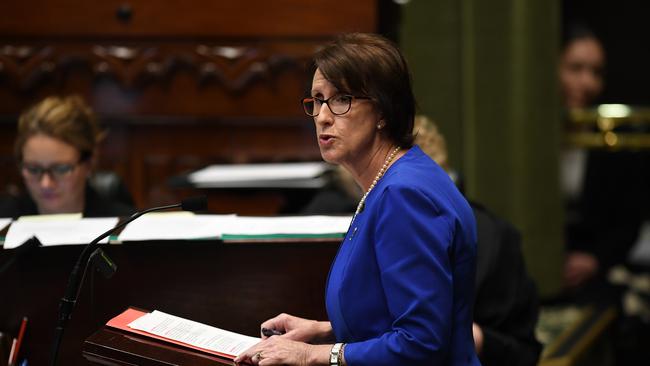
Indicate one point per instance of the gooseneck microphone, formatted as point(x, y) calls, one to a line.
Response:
point(100, 260)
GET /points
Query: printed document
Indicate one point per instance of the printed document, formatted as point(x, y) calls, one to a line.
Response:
point(193, 333)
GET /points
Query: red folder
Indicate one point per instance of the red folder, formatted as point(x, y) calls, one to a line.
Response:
point(121, 322)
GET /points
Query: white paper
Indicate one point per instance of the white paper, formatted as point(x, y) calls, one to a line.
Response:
point(193, 333)
point(250, 225)
point(52, 217)
point(174, 226)
point(4, 222)
point(63, 232)
point(259, 175)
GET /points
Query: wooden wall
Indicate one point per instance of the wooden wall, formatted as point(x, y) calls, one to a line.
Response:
point(178, 84)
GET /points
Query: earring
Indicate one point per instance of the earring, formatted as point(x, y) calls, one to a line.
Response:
point(380, 126)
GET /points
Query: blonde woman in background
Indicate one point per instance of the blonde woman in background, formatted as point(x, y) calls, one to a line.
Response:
point(56, 144)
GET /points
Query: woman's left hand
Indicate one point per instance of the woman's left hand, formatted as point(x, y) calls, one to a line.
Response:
point(277, 350)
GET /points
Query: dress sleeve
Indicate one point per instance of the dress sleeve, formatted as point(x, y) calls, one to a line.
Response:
point(413, 241)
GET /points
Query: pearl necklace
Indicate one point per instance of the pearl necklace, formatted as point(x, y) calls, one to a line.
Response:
point(380, 174)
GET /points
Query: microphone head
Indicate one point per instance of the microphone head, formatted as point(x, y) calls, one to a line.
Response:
point(103, 263)
point(197, 203)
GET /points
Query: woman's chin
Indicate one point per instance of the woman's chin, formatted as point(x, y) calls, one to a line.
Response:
point(329, 157)
point(50, 206)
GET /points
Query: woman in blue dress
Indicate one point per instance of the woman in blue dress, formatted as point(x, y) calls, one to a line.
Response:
point(400, 290)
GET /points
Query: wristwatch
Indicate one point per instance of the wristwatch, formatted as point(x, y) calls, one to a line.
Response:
point(336, 356)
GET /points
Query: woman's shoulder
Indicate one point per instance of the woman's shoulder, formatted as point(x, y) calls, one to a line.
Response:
point(420, 178)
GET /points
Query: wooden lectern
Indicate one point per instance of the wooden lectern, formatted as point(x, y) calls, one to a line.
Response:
point(113, 347)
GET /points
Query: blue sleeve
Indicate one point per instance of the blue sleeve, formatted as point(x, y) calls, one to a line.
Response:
point(412, 244)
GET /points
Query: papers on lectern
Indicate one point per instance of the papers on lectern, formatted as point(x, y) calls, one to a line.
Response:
point(58, 231)
point(183, 332)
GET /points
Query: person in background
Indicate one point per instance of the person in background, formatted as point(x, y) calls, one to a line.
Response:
point(581, 68)
point(605, 191)
point(400, 291)
point(55, 147)
point(608, 195)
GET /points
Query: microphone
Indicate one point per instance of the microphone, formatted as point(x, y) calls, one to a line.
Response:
point(104, 264)
point(198, 203)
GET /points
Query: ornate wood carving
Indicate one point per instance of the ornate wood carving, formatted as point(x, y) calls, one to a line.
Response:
point(235, 68)
point(25, 65)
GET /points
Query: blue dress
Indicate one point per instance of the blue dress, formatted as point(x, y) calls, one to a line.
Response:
point(400, 291)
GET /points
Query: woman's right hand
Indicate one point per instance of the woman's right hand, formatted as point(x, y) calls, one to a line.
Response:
point(299, 329)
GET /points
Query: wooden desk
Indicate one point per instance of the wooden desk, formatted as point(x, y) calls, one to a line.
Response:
point(231, 286)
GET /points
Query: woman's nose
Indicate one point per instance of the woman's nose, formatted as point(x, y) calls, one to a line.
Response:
point(325, 115)
point(46, 180)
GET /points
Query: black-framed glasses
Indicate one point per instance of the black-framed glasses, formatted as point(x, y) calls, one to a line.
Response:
point(338, 104)
point(55, 171)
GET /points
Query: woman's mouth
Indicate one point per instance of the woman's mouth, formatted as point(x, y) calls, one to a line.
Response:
point(325, 139)
point(48, 196)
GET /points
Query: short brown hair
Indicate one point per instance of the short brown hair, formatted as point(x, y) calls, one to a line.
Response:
point(363, 64)
point(68, 119)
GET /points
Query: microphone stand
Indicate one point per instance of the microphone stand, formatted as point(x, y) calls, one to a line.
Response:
point(67, 303)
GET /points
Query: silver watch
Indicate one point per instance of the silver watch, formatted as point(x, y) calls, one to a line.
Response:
point(335, 355)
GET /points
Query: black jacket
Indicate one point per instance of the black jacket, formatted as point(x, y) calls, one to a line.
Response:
point(506, 305)
point(95, 206)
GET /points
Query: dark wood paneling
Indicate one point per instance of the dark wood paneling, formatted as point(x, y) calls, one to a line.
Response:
point(187, 18)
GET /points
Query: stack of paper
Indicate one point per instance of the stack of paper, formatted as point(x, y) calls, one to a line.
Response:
point(185, 332)
point(58, 230)
point(62, 230)
point(287, 227)
point(281, 175)
point(176, 226)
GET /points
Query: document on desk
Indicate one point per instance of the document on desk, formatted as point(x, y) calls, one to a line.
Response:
point(58, 232)
point(176, 226)
point(247, 227)
point(261, 175)
point(174, 329)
